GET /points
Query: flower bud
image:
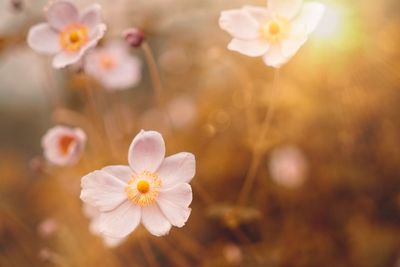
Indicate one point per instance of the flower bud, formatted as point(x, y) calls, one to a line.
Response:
point(134, 37)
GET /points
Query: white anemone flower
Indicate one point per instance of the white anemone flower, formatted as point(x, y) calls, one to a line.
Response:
point(152, 190)
point(68, 32)
point(276, 33)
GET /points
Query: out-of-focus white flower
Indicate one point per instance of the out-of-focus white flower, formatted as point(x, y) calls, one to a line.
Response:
point(288, 166)
point(153, 190)
point(233, 254)
point(113, 66)
point(63, 146)
point(276, 32)
point(94, 215)
point(47, 227)
point(68, 33)
point(182, 111)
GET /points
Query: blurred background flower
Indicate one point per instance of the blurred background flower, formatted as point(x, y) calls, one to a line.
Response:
point(337, 102)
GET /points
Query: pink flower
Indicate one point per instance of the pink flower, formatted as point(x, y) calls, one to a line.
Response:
point(47, 227)
point(63, 146)
point(152, 190)
point(276, 32)
point(68, 33)
point(113, 66)
point(94, 215)
point(288, 166)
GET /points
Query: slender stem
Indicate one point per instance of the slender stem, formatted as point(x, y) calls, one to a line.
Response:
point(257, 151)
point(148, 254)
point(154, 73)
point(175, 257)
point(50, 88)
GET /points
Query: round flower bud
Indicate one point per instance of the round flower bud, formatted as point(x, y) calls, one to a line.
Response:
point(134, 37)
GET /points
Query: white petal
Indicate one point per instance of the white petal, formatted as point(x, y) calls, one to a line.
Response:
point(274, 57)
point(146, 152)
point(260, 14)
point(121, 172)
point(310, 15)
point(61, 14)
point(91, 16)
point(174, 204)
point(112, 242)
point(239, 23)
point(291, 45)
point(102, 190)
point(285, 8)
point(43, 39)
point(253, 48)
point(154, 220)
point(64, 59)
point(121, 221)
point(178, 168)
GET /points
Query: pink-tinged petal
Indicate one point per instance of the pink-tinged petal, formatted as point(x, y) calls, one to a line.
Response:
point(285, 8)
point(112, 242)
point(120, 222)
point(174, 204)
point(62, 13)
point(43, 39)
point(64, 59)
point(178, 168)
point(274, 57)
point(146, 151)
point(102, 190)
point(239, 23)
point(253, 48)
point(155, 221)
point(291, 45)
point(260, 14)
point(310, 15)
point(91, 16)
point(121, 172)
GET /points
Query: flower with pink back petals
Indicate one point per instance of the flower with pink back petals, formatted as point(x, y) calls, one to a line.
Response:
point(68, 33)
point(63, 146)
point(113, 66)
point(152, 190)
point(276, 33)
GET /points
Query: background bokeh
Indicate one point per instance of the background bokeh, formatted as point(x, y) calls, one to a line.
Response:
point(337, 107)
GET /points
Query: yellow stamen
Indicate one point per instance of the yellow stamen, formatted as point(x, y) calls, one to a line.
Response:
point(143, 190)
point(74, 37)
point(274, 28)
point(143, 186)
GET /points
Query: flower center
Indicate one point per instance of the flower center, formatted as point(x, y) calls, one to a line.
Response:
point(143, 189)
point(275, 30)
point(107, 62)
point(64, 143)
point(74, 37)
point(143, 186)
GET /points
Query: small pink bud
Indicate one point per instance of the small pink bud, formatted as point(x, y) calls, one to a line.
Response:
point(134, 37)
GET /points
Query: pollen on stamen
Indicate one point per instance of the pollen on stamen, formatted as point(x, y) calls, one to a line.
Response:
point(274, 28)
point(143, 186)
